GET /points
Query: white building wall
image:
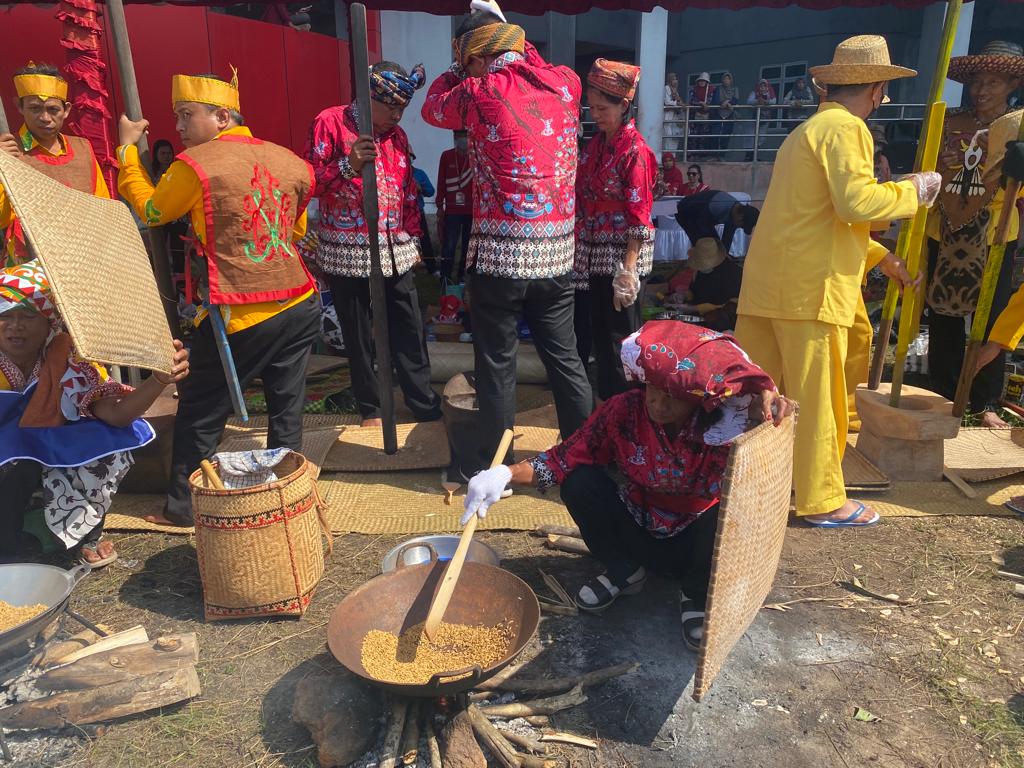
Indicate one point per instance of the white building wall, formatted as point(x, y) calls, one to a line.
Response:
point(410, 39)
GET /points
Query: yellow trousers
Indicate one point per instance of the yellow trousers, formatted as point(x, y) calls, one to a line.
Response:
point(807, 360)
point(858, 359)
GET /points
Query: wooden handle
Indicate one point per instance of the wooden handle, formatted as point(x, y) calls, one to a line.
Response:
point(212, 478)
point(451, 574)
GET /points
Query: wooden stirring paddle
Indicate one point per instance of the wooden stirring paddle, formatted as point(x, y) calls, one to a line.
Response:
point(451, 574)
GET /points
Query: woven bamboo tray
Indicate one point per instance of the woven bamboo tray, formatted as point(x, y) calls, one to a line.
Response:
point(978, 454)
point(99, 272)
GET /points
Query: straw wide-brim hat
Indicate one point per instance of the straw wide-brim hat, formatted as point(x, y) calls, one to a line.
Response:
point(860, 59)
point(998, 56)
point(706, 253)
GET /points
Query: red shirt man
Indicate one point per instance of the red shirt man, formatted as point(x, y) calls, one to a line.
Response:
point(522, 119)
point(455, 204)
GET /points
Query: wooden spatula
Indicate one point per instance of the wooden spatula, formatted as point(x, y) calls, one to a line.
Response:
point(451, 574)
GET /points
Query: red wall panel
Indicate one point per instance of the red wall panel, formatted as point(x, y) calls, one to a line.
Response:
point(285, 77)
point(150, 28)
point(314, 86)
point(27, 32)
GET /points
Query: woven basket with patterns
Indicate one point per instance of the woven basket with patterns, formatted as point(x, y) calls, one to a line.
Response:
point(259, 549)
point(751, 527)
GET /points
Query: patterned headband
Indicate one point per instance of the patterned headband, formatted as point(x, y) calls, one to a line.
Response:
point(394, 88)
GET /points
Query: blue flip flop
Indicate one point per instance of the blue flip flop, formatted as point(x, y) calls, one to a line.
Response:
point(848, 522)
point(1015, 504)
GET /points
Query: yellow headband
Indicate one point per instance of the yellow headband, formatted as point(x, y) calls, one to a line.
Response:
point(206, 90)
point(43, 86)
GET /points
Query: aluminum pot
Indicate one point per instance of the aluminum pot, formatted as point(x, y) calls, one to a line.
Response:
point(417, 551)
point(31, 584)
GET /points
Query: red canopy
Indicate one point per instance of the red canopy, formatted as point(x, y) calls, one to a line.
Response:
point(537, 7)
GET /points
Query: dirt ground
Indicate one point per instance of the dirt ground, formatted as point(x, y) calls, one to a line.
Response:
point(943, 674)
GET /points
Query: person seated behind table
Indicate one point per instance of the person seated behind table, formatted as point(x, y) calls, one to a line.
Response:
point(672, 177)
point(715, 290)
point(700, 215)
point(668, 442)
point(66, 428)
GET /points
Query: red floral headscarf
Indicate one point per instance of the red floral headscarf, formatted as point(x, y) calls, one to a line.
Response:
point(691, 363)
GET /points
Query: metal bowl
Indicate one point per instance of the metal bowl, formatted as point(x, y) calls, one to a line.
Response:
point(417, 551)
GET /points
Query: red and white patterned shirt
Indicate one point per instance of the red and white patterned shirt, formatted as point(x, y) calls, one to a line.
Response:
point(523, 119)
point(614, 195)
point(344, 247)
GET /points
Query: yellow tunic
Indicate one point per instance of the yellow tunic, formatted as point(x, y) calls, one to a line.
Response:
point(29, 144)
point(1009, 327)
point(180, 192)
point(802, 284)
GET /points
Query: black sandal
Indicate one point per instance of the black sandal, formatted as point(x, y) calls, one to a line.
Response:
point(693, 622)
point(598, 594)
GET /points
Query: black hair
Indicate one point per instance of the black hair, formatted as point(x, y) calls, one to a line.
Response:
point(154, 151)
point(700, 172)
point(389, 66)
point(475, 20)
point(39, 69)
point(236, 116)
point(849, 89)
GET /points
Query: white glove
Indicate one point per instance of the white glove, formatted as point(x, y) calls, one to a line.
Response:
point(485, 488)
point(927, 184)
point(625, 288)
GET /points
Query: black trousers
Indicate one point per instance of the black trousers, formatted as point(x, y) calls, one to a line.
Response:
point(615, 539)
point(276, 350)
point(18, 481)
point(496, 304)
point(610, 327)
point(427, 247)
point(582, 324)
point(947, 338)
point(405, 333)
point(455, 231)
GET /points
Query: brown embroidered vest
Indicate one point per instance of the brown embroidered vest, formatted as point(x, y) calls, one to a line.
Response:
point(253, 191)
point(76, 168)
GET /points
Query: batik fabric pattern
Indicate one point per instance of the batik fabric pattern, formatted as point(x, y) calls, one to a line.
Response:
point(614, 196)
point(522, 118)
point(75, 498)
point(342, 230)
point(666, 484)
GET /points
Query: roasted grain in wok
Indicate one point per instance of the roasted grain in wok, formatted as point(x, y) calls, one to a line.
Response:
point(13, 615)
point(412, 659)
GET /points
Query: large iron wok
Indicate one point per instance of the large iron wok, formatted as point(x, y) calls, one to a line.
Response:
point(394, 601)
point(32, 584)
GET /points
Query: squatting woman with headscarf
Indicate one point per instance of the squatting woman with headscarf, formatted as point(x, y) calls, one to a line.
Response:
point(614, 236)
point(642, 477)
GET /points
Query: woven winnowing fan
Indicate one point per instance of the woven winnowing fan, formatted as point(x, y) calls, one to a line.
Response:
point(98, 269)
point(751, 527)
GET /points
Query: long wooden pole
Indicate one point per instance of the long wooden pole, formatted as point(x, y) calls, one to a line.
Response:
point(993, 266)
point(161, 262)
point(378, 305)
point(4, 127)
point(945, 51)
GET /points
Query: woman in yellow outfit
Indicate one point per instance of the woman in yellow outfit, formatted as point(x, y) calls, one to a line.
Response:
point(801, 287)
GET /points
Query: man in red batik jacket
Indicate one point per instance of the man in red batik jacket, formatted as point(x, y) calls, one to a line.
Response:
point(338, 153)
point(522, 116)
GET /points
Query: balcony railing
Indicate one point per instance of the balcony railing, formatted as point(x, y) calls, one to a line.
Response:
point(754, 133)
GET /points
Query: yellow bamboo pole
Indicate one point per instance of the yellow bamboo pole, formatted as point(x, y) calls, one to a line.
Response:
point(945, 51)
point(914, 251)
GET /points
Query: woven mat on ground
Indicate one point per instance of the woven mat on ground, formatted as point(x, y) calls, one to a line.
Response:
point(319, 364)
point(361, 449)
point(319, 384)
point(933, 499)
point(316, 443)
point(529, 441)
point(309, 421)
point(128, 512)
point(413, 503)
point(978, 454)
point(859, 474)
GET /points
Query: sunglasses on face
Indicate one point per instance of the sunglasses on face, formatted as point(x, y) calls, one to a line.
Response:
point(690, 173)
